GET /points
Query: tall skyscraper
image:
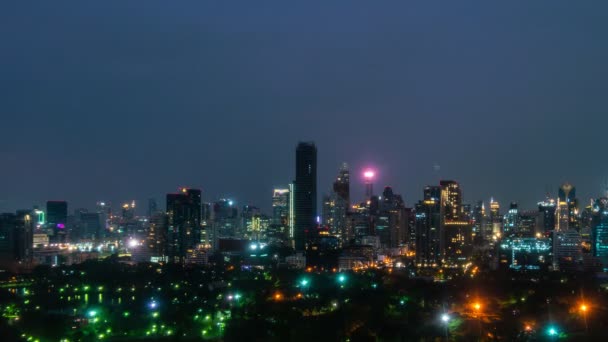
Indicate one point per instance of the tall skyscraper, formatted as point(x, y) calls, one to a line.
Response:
point(495, 218)
point(392, 220)
point(336, 206)
point(451, 200)
point(183, 223)
point(305, 192)
point(428, 221)
point(56, 220)
point(547, 209)
point(567, 208)
point(342, 184)
point(455, 231)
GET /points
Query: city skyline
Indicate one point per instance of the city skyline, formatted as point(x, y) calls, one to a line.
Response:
point(357, 187)
point(92, 98)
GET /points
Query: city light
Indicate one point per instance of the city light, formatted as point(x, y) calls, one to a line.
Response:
point(445, 318)
point(552, 331)
point(369, 174)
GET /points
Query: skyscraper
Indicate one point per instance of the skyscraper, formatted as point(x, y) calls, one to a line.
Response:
point(305, 192)
point(547, 208)
point(342, 184)
point(456, 235)
point(451, 200)
point(57, 218)
point(567, 210)
point(336, 205)
point(511, 220)
point(428, 221)
point(183, 223)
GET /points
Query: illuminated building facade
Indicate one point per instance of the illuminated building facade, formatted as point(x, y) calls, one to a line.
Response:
point(525, 253)
point(428, 223)
point(599, 231)
point(495, 218)
point(280, 207)
point(511, 220)
point(456, 236)
point(305, 192)
point(567, 207)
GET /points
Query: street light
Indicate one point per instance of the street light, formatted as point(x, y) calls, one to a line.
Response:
point(445, 318)
point(584, 308)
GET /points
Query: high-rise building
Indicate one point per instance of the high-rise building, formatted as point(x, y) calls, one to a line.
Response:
point(342, 184)
point(280, 207)
point(247, 229)
point(456, 234)
point(477, 218)
point(305, 192)
point(183, 223)
point(56, 220)
point(451, 200)
point(16, 237)
point(495, 218)
point(225, 220)
point(336, 205)
point(547, 209)
point(529, 224)
point(391, 220)
point(511, 220)
point(568, 207)
point(90, 226)
point(599, 231)
point(128, 211)
point(157, 235)
point(428, 225)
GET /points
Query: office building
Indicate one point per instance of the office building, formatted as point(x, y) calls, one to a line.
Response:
point(305, 192)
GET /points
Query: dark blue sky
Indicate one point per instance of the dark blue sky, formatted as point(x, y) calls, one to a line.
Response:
point(118, 100)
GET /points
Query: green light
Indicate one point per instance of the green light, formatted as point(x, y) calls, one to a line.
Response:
point(126, 314)
point(92, 313)
point(155, 314)
point(342, 278)
point(237, 296)
point(304, 282)
point(552, 331)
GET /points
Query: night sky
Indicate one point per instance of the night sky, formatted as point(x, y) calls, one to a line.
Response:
point(120, 100)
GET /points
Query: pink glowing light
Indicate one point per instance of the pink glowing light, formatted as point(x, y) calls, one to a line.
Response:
point(369, 174)
point(60, 225)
